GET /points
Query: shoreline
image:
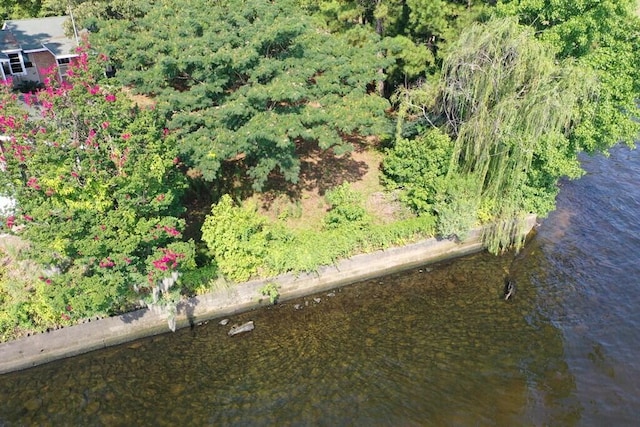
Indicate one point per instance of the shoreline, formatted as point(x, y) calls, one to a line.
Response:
point(31, 351)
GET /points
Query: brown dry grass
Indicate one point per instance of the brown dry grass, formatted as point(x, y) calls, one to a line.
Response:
point(142, 101)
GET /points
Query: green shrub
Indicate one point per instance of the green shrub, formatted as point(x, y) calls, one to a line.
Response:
point(237, 237)
point(347, 208)
point(419, 167)
point(271, 290)
point(197, 280)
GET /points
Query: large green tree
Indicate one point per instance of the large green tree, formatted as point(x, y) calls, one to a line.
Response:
point(415, 32)
point(509, 107)
point(601, 35)
point(249, 82)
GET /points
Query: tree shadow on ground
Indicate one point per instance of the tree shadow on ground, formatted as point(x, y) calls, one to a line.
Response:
point(320, 171)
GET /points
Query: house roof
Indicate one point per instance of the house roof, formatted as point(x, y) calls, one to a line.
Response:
point(37, 34)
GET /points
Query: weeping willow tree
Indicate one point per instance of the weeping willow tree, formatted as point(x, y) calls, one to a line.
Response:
point(508, 105)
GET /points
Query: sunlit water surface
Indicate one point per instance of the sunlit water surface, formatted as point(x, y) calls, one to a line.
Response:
point(435, 345)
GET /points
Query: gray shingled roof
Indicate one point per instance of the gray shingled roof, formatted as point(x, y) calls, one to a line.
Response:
point(36, 34)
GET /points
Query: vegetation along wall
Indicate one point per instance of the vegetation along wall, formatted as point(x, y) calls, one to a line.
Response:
point(240, 140)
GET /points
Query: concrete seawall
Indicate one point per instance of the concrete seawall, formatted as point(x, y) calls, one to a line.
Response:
point(70, 341)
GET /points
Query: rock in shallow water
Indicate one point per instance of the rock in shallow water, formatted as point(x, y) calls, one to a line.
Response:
point(238, 329)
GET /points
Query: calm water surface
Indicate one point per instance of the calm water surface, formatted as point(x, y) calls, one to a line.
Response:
point(431, 346)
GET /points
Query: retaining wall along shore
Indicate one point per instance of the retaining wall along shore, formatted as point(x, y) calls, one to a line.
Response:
point(34, 350)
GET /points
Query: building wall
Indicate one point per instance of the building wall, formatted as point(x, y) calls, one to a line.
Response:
point(41, 61)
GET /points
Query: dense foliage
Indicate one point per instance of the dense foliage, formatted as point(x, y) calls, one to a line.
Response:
point(250, 83)
point(494, 101)
point(520, 108)
point(245, 244)
point(97, 190)
point(602, 36)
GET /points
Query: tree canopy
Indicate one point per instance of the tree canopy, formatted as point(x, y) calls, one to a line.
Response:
point(603, 36)
point(509, 106)
point(248, 82)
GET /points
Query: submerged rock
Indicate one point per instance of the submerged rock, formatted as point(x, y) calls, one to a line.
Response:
point(238, 329)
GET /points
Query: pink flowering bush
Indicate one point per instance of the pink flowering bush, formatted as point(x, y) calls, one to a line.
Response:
point(98, 195)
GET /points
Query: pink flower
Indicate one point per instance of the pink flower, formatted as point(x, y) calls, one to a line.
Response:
point(169, 260)
point(33, 183)
point(160, 264)
point(105, 125)
point(110, 97)
point(126, 136)
point(7, 122)
point(107, 263)
point(11, 220)
point(46, 105)
point(171, 231)
point(94, 90)
point(27, 217)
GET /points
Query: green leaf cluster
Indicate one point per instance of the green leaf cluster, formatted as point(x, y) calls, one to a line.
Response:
point(418, 168)
point(97, 190)
point(346, 208)
point(244, 244)
point(602, 36)
point(237, 238)
point(249, 82)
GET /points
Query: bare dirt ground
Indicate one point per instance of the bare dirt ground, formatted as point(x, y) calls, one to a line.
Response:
point(303, 205)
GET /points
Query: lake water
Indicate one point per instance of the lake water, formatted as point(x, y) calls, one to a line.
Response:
point(435, 345)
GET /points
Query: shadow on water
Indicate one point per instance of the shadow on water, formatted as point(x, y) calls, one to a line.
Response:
point(436, 345)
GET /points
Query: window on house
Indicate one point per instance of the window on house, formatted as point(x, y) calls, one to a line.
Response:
point(16, 63)
point(63, 65)
point(27, 61)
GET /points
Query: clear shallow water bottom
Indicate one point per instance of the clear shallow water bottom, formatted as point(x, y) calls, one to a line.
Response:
point(431, 346)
